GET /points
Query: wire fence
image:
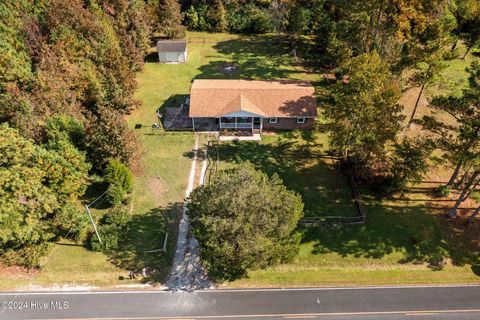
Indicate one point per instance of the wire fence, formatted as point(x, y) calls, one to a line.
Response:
point(213, 159)
point(271, 41)
point(359, 218)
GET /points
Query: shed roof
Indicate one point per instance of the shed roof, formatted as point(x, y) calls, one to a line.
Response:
point(283, 98)
point(171, 45)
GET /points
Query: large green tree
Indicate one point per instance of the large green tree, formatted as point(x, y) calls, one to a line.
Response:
point(39, 186)
point(244, 220)
point(167, 18)
point(364, 112)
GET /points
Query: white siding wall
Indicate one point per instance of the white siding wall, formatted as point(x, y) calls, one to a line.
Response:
point(172, 56)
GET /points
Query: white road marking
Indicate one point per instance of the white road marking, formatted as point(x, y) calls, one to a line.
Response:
point(236, 290)
point(283, 315)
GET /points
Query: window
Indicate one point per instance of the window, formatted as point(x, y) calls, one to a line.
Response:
point(273, 120)
point(300, 120)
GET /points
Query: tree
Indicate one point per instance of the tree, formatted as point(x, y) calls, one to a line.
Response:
point(168, 18)
point(108, 136)
point(191, 18)
point(39, 186)
point(430, 50)
point(298, 21)
point(217, 16)
point(131, 25)
point(409, 162)
point(364, 112)
point(278, 15)
point(120, 181)
point(63, 127)
point(459, 143)
point(467, 14)
point(423, 78)
point(471, 183)
point(244, 220)
point(472, 37)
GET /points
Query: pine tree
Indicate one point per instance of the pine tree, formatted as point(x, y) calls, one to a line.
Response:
point(217, 15)
point(168, 18)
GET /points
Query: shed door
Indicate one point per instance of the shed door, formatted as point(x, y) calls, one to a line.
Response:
point(172, 56)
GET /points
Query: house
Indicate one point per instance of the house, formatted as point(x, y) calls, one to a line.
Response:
point(252, 105)
point(172, 51)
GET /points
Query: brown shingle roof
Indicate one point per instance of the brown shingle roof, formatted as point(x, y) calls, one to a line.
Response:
point(171, 45)
point(285, 98)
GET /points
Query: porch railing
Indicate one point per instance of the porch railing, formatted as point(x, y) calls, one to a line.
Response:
point(236, 125)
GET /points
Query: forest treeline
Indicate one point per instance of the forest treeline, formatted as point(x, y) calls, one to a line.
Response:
point(67, 79)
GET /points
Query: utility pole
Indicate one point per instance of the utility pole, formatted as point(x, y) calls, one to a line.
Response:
point(93, 224)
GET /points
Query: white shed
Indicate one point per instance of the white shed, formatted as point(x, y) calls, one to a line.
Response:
point(172, 51)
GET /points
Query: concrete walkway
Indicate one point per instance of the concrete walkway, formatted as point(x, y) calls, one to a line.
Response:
point(187, 272)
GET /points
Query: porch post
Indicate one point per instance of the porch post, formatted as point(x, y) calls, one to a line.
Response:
point(193, 123)
point(235, 122)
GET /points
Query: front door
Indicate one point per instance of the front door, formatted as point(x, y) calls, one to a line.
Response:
point(256, 123)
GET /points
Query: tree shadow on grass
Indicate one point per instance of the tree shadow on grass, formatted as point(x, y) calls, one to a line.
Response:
point(256, 57)
point(413, 232)
point(418, 232)
point(146, 232)
point(323, 187)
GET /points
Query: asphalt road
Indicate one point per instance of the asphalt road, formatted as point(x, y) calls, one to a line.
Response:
point(448, 302)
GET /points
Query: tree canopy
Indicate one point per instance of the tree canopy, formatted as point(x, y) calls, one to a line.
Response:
point(39, 187)
point(364, 112)
point(244, 220)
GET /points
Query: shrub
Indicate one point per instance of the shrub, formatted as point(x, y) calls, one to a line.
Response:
point(442, 191)
point(244, 220)
point(29, 256)
point(117, 216)
point(115, 194)
point(120, 180)
point(111, 230)
point(118, 173)
point(73, 222)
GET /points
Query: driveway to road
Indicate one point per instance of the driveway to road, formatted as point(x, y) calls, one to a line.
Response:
point(446, 302)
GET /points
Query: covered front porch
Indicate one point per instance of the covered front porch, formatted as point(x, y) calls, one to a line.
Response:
point(241, 123)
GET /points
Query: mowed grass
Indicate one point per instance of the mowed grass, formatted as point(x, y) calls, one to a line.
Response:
point(383, 251)
point(294, 157)
point(452, 80)
point(401, 242)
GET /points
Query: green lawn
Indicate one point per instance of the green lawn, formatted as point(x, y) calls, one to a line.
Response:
point(401, 242)
point(452, 80)
point(294, 157)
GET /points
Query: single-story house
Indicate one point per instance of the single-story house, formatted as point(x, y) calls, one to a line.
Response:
point(172, 51)
point(252, 105)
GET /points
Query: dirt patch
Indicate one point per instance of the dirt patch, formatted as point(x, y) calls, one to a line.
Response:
point(157, 188)
point(16, 272)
